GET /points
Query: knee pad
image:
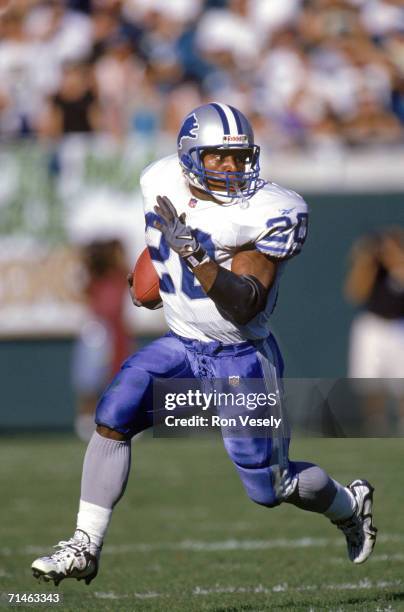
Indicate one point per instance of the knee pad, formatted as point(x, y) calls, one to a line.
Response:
point(121, 405)
point(252, 459)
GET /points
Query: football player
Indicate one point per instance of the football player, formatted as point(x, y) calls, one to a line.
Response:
point(202, 207)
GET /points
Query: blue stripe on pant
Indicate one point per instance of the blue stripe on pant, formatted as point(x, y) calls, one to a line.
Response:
point(127, 403)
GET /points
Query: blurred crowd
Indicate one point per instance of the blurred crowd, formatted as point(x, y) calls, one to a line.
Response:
point(375, 283)
point(310, 73)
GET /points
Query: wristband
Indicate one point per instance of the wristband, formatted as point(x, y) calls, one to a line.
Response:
point(197, 258)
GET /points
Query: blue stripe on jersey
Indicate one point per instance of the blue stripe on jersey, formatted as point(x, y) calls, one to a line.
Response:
point(237, 118)
point(282, 239)
point(226, 127)
point(150, 218)
point(166, 284)
point(264, 247)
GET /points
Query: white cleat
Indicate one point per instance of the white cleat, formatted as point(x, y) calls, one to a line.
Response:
point(358, 529)
point(72, 560)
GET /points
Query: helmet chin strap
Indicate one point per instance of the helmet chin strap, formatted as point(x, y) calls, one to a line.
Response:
point(242, 201)
point(225, 199)
point(239, 199)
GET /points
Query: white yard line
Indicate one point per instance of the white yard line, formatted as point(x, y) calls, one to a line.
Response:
point(198, 591)
point(284, 587)
point(375, 558)
point(110, 595)
point(113, 595)
point(208, 546)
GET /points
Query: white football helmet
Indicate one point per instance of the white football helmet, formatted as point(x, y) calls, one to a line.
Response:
point(219, 126)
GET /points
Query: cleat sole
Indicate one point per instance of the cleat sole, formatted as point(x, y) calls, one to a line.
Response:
point(52, 576)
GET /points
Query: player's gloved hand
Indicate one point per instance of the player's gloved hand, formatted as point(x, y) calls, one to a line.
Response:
point(136, 302)
point(178, 235)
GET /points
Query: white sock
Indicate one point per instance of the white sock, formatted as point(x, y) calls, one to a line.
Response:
point(94, 520)
point(343, 506)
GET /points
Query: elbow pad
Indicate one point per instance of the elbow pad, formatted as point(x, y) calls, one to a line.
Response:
point(238, 298)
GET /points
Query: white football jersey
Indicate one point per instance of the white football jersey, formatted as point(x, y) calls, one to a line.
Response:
point(274, 222)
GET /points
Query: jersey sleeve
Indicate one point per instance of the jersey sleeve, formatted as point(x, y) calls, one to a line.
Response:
point(284, 234)
point(156, 178)
point(148, 185)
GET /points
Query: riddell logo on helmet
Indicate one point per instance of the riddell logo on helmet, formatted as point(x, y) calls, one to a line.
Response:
point(239, 139)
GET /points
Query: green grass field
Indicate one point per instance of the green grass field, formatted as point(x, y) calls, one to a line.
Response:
point(186, 538)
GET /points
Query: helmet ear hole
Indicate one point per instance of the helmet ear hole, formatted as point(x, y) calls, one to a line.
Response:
point(187, 161)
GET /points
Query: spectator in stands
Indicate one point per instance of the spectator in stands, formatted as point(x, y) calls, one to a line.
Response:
point(226, 38)
point(109, 22)
point(147, 107)
point(382, 17)
point(74, 107)
point(18, 93)
point(398, 98)
point(65, 35)
point(294, 63)
point(324, 136)
point(160, 47)
point(178, 103)
point(119, 78)
point(394, 47)
point(375, 283)
point(372, 125)
point(104, 342)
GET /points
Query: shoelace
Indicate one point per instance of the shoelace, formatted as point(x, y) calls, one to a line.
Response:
point(72, 544)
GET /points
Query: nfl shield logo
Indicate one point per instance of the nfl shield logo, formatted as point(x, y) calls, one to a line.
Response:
point(234, 381)
point(192, 203)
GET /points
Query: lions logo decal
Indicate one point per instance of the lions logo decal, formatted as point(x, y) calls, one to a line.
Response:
point(189, 129)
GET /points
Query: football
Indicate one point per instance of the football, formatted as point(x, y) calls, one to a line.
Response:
point(146, 281)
